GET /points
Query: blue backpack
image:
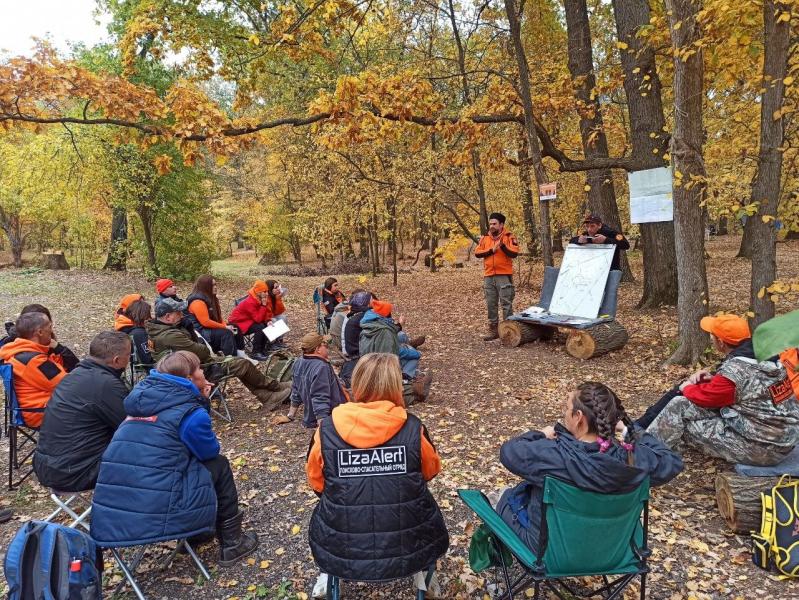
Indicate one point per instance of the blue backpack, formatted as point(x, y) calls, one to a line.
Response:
point(48, 561)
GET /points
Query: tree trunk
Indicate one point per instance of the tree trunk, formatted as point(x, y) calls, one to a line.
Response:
point(533, 145)
point(767, 184)
point(642, 88)
point(601, 193)
point(557, 243)
point(722, 228)
point(528, 210)
point(597, 340)
point(117, 259)
point(12, 226)
point(147, 228)
point(516, 333)
point(393, 217)
point(55, 261)
point(738, 499)
point(690, 182)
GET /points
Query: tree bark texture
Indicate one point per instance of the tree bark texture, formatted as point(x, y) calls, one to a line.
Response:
point(528, 206)
point(533, 145)
point(12, 226)
point(117, 259)
point(690, 181)
point(601, 193)
point(643, 90)
point(516, 333)
point(766, 187)
point(597, 340)
point(738, 499)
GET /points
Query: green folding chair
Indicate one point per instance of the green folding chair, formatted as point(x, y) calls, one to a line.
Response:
point(582, 534)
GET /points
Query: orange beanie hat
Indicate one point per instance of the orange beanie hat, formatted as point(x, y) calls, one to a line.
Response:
point(162, 284)
point(382, 308)
point(128, 300)
point(259, 287)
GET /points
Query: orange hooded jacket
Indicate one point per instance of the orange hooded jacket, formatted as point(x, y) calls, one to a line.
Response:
point(365, 425)
point(36, 374)
point(499, 261)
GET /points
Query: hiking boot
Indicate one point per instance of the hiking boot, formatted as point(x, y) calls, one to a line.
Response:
point(417, 341)
point(234, 544)
point(493, 333)
point(272, 399)
point(421, 387)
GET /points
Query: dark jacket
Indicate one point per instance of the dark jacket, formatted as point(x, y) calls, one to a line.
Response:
point(352, 332)
point(378, 334)
point(83, 413)
point(330, 301)
point(170, 338)
point(532, 457)
point(151, 486)
point(376, 519)
point(141, 344)
point(314, 385)
point(613, 237)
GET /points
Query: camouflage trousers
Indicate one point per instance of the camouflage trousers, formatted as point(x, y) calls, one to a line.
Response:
point(499, 290)
point(683, 423)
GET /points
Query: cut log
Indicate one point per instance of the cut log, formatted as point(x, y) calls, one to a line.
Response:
point(597, 340)
point(516, 333)
point(54, 260)
point(738, 499)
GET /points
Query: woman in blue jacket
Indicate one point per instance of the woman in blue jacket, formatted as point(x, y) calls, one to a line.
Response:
point(162, 476)
point(584, 452)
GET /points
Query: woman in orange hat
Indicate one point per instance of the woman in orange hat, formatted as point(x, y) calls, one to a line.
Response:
point(251, 315)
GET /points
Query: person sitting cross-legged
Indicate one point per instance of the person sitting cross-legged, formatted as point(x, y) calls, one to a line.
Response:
point(167, 335)
point(314, 384)
point(583, 451)
point(162, 477)
point(83, 413)
point(37, 365)
point(745, 413)
point(376, 519)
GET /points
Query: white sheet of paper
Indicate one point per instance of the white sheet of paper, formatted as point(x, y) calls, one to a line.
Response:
point(651, 196)
point(581, 282)
point(274, 331)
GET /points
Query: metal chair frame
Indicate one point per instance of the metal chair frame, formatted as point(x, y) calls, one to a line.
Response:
point(22, 438)
point(334, 585)
point(74, 502)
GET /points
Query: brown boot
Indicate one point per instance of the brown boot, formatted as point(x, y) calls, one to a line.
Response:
point(272, 400)
point(421, 387)
point(417, 341)
point(493, 332)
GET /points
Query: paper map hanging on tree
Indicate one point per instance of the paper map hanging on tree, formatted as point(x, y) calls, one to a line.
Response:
point(651, 196)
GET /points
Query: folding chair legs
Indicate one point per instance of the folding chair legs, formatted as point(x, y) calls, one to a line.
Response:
point(15, 461)
point(64, 506)
point(333, 588)
point(643, 586)
point(222, 411)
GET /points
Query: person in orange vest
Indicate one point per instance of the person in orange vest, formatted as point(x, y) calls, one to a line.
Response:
point(497, 249)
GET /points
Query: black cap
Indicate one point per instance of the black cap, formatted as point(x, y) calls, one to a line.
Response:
point(593, 218)
point(498, 216)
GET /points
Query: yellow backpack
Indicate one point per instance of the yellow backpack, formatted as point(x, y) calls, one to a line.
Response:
point(776, 546)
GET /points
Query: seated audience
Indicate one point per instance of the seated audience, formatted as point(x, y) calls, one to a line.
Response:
point(37, 365)
point(205, 315)
point(166, 288)
point(139, 313)
point(167, 335)
point(582, 451)
point(360, 303)
point(162, 477)
point(277, 310)
point(251, 315)
point(331, 298)
point(120, 319)
point(375, 520)
point(745, 413)
point(83, 413)
point(314, 384)
point(68, 358)
point(730, 336)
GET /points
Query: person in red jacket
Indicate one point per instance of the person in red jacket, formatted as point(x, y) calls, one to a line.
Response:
point(38, 369)
point(251, 315)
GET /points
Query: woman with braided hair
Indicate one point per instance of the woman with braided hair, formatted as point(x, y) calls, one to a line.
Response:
point(582, 450)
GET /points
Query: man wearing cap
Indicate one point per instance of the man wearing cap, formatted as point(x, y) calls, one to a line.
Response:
point(167, 335)
point(497, 249)
point(314, 383)
point(740, 413)
point(597, 232)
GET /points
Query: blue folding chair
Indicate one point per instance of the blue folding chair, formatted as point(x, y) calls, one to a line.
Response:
point(22, 438)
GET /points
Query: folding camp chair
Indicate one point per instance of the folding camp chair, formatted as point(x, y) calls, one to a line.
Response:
point(321, 326)
point(22, 438)
point(137, 370)
point(129, 566)
point(582, 534)
point(248, 337)
point(77, 505)
point(334, 585)
point(217, 399)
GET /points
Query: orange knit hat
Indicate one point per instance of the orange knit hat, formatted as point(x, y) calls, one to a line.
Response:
point(128, 300)
point(162, 284)
point(382, 308)
point(730, 329)
point(259, 287)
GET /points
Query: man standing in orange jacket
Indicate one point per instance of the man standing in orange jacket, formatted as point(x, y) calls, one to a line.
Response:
point(497, 249)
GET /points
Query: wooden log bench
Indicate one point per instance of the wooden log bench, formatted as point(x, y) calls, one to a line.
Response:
point(738, 500)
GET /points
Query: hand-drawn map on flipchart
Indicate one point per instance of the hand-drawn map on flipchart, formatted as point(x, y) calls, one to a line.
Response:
point(581, 280)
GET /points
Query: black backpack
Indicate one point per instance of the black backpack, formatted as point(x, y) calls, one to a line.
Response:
point(51, 561)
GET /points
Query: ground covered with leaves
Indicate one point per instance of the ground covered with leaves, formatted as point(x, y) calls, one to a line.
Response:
point(482, 395)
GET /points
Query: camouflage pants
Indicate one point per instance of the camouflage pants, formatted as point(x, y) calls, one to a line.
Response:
point(683, 423)
point(498, 290)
